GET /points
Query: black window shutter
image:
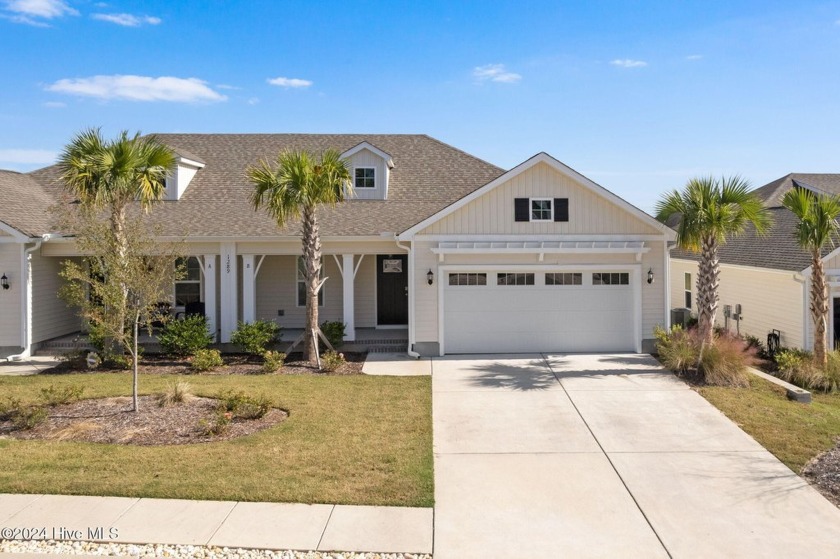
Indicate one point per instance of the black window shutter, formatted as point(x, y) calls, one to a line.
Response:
point(561, 209)
point(521, 209)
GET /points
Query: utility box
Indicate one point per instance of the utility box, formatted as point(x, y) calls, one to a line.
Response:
point(680, 317)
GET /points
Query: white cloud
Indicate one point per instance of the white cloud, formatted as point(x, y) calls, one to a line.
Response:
point(694, 57)
point(628, 63)
point(289, 82)
point(128, 20)
point(34, 12)
point(139, 88)
point(226, 86)
point(495, 73)
point(55, 105)
point(253, 101)
point(28, 156)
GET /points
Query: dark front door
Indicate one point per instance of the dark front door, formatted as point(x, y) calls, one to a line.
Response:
point(391, 290)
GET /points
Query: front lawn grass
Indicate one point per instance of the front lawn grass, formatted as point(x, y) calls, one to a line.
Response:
point(793, 432)
point(349, 439)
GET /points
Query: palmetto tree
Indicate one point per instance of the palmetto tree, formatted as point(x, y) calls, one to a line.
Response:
point(293, 187)
point(107, 176)
point(710, 211)
point(817, 227)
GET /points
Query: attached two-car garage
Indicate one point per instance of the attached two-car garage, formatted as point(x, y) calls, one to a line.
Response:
point(541, 310)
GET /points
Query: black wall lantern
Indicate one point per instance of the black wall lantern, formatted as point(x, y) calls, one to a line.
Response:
point(650, 275)
point(430, 276)
point(4, 281)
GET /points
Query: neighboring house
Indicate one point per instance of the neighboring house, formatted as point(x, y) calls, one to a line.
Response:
point(764, 281)
point(464, 256)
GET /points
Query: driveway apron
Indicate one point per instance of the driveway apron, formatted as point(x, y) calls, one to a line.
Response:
point(606, 456)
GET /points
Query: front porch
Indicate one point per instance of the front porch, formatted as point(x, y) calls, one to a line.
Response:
point(371, 340)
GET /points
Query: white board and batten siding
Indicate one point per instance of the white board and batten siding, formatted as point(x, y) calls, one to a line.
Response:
point(769, 299)
point(10, 299)
point(366, 158)
point(607, 314)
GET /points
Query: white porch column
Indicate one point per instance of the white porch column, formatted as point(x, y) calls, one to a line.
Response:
point(228, 290)
point(210, 296)
point(348, 274)
point(249, 289)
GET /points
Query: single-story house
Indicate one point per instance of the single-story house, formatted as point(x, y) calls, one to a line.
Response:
point(765, 280)
point(466, 257)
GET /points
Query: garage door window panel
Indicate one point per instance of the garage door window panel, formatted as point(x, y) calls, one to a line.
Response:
point(611, 278)
point(564, 279)
point(515, 279)
point(467, 279)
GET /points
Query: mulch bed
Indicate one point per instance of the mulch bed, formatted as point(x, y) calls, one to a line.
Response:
point(235, 364)
point(823, 472)
point(110, 420)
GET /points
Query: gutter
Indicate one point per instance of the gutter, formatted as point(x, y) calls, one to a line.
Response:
point(26, 299)
point(411, 335)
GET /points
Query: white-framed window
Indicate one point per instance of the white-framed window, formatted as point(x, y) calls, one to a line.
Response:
point(515, 279)
point(611, 278)
point(688, 290)
point(565, 278)
point(301, 284)
point(188, 288)
point(365, 177)
point(467, 279)
point(542, 209)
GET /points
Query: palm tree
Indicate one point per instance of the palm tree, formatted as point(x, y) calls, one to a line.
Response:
point(106, 177)
point(817, 227)
point(295, 187)
point(710, 211)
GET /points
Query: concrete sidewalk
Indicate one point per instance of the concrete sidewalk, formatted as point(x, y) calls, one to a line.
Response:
point(28, 366)
point(276, 526)
point(606, 456)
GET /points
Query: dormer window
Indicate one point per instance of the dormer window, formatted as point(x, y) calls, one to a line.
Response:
point(365, 177)
point(541, 209)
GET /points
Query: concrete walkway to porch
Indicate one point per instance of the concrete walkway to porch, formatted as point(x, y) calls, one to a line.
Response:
point(606, 456)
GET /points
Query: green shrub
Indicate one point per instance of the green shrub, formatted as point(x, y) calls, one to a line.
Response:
point(332, 360)
point(272, 361)
point(725, 362)
point(243, 406)
point(218, 425)
point(118, 361)
point(754, 342)
point(206, 360)
point(54, 396)
point(798, 367)
point(29, 416)
point(175, 393)
point(253, 408)
point(9, 407)
point(185, 337)
point(256, 337)
point(678, 349)
point(334, 332)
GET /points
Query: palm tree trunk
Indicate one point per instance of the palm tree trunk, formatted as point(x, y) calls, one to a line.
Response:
point(708, 280)
point(819, 307)
point(312, 264)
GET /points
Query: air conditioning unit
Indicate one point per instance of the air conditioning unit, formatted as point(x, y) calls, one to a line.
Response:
point(680, 316)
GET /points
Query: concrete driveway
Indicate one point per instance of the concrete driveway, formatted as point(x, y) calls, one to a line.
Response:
point(606, 456)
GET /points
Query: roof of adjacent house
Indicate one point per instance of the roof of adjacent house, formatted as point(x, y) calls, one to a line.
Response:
point(777, 249)
point(25, 204)
point(427, 176)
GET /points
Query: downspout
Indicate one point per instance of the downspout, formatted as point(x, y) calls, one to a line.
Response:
point(411, 279)
point(26, 299)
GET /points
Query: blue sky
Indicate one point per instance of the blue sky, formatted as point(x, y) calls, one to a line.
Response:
point(639, 96)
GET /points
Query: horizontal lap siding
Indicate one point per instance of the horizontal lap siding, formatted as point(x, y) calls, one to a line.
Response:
point(10, 299)
point(492, 213)
point(653, 295)
point(365, 292)
point(277, 289)
point(51, 317)
point(769, 299)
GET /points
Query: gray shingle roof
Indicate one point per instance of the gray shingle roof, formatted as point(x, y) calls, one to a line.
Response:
point(25, 205)
point(428, 175)
point(778, 248)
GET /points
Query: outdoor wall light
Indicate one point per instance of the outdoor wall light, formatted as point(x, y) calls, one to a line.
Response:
point(4, 281)
point(430, 276)
point(650, 275)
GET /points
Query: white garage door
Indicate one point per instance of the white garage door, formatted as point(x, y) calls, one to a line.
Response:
point(564, 311)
